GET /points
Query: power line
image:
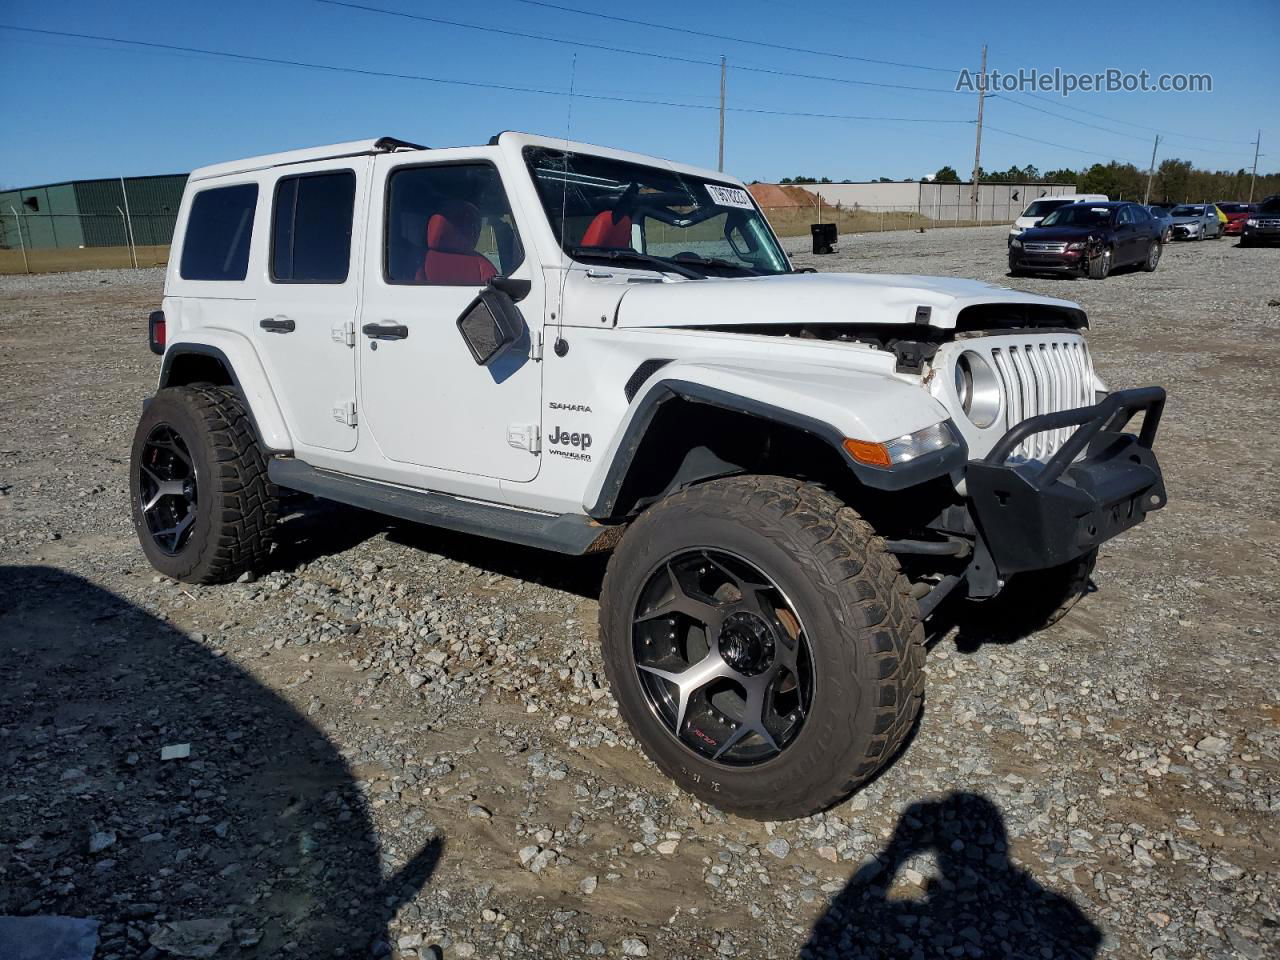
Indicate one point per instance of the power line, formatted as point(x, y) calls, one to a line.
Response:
point(1008, 98)
point(1060, 146)
point(629, 51)
point(844, 56)
point(360, 71)
point(722, 36)
point(1103, 116)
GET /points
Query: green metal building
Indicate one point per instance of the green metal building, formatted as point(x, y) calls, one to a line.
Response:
point(91, 213)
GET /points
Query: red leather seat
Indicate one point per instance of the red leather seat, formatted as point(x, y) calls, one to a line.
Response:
point(451, 249)
point(608, 230)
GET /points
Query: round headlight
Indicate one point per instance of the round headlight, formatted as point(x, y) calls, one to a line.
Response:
point(977, 389)
point(964, 384)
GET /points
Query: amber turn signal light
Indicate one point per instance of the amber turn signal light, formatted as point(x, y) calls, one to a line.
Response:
point(872, 454)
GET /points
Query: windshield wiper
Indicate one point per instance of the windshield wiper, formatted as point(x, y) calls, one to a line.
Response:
point(634, 256)
point(702, 261)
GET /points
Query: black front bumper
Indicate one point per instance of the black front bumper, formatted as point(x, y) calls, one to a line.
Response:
point(1261, 234)
point(1049, 262)
point(1031, 516)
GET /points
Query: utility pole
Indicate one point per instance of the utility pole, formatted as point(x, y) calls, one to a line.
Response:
point(17, 219)
point(1151, 171)
point(128, 225)
point(1257, 145)
point(977, 146)
point(722, 69)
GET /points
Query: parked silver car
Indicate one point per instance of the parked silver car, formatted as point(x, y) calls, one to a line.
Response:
point(1161, 215)
point(1196, 221)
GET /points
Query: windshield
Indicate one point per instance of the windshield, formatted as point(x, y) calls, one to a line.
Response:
point(1158, 211)
point(616, 210)
point(1235, 208)
point(1042, 208)
point(1188, 211)
point(1270, 205)
point(1077, 215)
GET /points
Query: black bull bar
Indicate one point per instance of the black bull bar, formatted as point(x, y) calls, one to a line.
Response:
point(1031, 516)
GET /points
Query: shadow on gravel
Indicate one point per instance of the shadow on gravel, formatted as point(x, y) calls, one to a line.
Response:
point(315, 528)
point(977, 904)
point(257, 840)
point(581, 576)
point(311, 528)
point(990, 622)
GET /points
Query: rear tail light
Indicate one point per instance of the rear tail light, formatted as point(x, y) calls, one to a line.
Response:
point(155, 331)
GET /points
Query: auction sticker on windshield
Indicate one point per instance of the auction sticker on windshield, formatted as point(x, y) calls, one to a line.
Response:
point(729, 197)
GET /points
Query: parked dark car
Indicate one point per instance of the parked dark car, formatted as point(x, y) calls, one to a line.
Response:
point(1237, 214)
point(1088, 239)
point(1262, 226)
point(1161, 213)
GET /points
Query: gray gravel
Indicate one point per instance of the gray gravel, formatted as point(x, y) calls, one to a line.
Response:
point(400, 742)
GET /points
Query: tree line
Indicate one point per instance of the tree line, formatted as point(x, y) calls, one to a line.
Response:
point(1174, 181)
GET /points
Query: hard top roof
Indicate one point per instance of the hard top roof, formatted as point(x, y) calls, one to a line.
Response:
point(356, 148)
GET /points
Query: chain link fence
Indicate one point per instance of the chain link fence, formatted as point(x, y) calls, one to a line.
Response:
point(794, 221)
point(53, 242)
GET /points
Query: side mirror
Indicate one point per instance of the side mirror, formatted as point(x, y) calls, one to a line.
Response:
point(517, 290)
point(491, 324)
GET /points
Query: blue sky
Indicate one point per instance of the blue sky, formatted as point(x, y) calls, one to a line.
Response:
point(77, 108)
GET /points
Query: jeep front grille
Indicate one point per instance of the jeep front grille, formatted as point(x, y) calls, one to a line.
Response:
point(1043, 376)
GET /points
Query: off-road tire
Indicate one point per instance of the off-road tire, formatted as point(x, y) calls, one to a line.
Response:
point(862, 626)
point(237, 505)
point(1029, 601)
point(1155, 250)
point(1100, 266)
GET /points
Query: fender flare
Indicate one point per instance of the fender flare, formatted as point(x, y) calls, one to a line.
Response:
point(244, 368)
point(609, 485)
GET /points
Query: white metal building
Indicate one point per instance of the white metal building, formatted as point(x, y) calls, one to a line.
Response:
point(938, 201)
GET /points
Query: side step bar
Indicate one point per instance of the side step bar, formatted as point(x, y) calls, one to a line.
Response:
point(564, 533)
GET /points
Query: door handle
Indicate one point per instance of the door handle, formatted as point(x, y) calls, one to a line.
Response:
point(385, 331)
point(277, 325)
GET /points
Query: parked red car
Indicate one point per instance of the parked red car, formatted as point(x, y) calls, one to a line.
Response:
point(1237, 214)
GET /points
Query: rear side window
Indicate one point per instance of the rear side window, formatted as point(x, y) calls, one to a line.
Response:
point(311, 229)
point(219, 228)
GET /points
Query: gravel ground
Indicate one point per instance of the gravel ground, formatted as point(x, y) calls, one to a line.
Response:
point(400, 742)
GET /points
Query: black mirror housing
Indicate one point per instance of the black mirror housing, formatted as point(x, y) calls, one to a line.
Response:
point(491, 325)
point(517, 290)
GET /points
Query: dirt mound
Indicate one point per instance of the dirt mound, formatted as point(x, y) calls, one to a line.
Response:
point(776, 195)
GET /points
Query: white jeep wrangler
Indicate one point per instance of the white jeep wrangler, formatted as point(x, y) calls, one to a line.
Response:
point(582, 349)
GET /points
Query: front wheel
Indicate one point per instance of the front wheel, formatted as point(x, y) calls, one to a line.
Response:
point(203, 508)
point(1153, 257)
point(1100, 266)
point(762, 645)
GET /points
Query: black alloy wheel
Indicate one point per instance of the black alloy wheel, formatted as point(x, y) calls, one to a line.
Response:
point(722, 657)
point(168, 494)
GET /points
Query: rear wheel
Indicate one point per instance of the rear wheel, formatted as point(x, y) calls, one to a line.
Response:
point(203, 508)
point(762, 645)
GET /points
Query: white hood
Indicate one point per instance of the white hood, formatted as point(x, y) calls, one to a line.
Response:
point(813, 298)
